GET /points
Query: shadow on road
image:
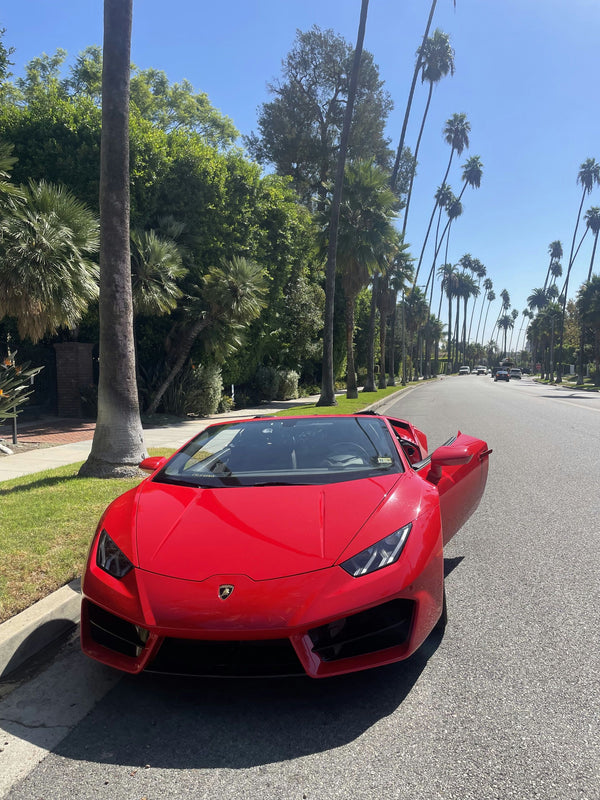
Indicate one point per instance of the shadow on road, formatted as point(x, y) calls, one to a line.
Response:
point(176, 723)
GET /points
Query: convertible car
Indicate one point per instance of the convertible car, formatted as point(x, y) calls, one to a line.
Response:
point(280, 546)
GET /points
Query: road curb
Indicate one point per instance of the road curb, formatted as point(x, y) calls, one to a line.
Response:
point(25, 634)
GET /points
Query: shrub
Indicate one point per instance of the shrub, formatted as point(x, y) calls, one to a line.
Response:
point(266, 380)
point(288, 385)
point(197, 391)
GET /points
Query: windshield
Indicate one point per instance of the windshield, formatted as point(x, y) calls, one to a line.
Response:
point(284, 452)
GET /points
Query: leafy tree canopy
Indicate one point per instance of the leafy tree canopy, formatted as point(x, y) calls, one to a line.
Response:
point(299, 131)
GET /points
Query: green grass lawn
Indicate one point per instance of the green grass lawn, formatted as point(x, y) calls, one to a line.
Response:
point(47, 522)
point(47, 519)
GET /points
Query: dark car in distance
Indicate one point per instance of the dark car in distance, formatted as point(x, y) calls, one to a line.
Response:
point(502, 375)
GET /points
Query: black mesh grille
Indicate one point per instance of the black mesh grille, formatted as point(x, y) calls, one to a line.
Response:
point(249, 659)
point(387, 625)
point(114, 633)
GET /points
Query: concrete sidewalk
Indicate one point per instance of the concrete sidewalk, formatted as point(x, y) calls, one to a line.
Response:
point(25, 634)
point(63, 444)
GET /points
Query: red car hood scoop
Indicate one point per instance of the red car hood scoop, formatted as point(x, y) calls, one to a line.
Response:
point(264, 533)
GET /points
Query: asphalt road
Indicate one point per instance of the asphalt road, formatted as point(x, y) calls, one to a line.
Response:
point(505, 705)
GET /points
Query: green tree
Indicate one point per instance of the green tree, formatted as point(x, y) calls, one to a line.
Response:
point(46, 274)
point(365, 236)
point(231, 296)
point(118, 444)
point(299, 132)
point(588, 177)
point(176, 106)
point(588, 306)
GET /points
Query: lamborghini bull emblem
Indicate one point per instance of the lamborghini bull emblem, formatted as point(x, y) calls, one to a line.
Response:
point(225, 591)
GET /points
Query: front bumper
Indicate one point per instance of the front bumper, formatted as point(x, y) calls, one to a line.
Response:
point(319, 624)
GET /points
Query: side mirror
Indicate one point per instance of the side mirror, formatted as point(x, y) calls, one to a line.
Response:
point(447, 456)
point(153, 463)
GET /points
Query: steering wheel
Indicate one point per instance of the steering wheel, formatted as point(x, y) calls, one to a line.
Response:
point(343, 453)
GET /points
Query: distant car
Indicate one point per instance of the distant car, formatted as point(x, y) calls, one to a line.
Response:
point(481, 370)
point(279, 546)
point(501, 375)
point(464, 371)
point(515, 372)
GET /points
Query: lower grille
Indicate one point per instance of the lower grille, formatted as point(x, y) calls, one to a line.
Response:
point(249, 659)
point(115, 633)
point(387, 625)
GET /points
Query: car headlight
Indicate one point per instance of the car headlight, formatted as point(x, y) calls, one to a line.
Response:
point(110, 558)
point(379, 555)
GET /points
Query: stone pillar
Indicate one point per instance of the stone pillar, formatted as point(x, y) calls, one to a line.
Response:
point(73, 372)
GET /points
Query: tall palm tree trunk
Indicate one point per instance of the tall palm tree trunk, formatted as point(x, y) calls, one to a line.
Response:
point(118, 444)
point(351, 386)
point(416, 153)
point(328, 386)
point(394, 176)
point(370, 382)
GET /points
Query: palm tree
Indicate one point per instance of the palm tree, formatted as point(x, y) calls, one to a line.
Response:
point(468, 289)
point(526, 314)
point(588, 306)
point(456, 134)
point(443, 197)
point(592, 221)
point(454, 210)
point(514, 314)
point(491, 296)
point(365, 235)
point(588, 176)
point(328, 387)
point(538, 299)
point(155, 269)
point(9, 193)
point(394, 175)
point(118, 444)
point(449, 281)
point(230, 297)
point(437, 59)
point(47, 278)
point(556, 271)
point(471, 174)
point(417, 314)
point(480, 271)
point(399, 279)
point(434, 331)
point(556, 253)
point(505, 323)
point(487, 287)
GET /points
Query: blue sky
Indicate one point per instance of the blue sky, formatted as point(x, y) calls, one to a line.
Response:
point(526, 76)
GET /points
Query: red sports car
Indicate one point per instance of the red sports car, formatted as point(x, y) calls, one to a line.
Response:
point(280, 546)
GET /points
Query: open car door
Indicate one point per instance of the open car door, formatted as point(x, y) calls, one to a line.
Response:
point(459, 470)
